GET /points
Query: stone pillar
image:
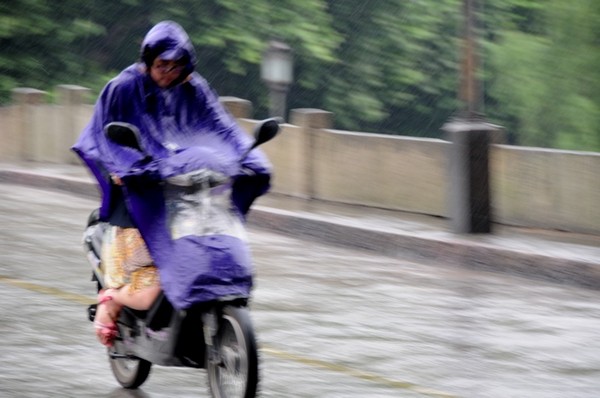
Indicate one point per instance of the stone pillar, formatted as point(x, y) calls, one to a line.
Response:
point(469, 206)
point(71, 99)
point(238, 107)
point(9, 138)
point(310, 121)
point(26, 99)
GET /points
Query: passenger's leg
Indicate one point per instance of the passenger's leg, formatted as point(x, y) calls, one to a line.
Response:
point(138, 299)
point(132, 280)
point(110, 303)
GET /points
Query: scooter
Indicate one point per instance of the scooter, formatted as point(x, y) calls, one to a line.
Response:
point(217, 336)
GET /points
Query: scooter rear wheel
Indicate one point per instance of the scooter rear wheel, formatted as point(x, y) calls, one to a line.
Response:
point(234, 371)
point(130, 373)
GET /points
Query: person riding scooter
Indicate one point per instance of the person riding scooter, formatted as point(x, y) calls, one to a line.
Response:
point(174, 109)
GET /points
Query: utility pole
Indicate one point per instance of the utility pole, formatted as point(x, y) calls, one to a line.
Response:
point(469, 202)
point(469, 86)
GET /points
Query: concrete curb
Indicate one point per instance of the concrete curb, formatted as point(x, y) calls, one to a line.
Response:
point(446, 250)
point(76, 186)
point(460, 252)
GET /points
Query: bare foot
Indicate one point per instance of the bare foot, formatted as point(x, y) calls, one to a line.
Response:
point(104, 320)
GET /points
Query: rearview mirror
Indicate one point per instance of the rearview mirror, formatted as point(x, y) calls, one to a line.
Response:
point(124, 134)
point(265, 131)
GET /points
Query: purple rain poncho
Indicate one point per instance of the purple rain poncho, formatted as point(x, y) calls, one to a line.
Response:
point(182, 128)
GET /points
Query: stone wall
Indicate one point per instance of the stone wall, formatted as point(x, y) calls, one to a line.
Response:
point(530, 187)
point(546, 188)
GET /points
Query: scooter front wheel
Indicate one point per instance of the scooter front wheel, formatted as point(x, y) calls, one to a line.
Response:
point(233, 366)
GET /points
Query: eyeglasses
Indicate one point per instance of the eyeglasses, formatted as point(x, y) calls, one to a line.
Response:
point(168, 68)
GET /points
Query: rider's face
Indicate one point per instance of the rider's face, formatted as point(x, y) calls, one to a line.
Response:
point(164, 72)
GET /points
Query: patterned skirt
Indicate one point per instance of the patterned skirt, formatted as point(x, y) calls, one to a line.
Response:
point(126, 260)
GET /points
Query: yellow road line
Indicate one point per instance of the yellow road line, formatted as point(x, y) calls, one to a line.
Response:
point(51, 291)
point(397, 384)
point(316, 363)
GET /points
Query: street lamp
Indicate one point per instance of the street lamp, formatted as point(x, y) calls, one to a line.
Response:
point(276, 72)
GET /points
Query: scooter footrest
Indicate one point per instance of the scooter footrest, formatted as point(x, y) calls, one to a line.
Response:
point(116, 355)
point(92, 312)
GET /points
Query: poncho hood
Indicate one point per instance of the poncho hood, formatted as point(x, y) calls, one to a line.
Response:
point(169, 41)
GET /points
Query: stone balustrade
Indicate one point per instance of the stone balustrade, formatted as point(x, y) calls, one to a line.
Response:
point(532, 187)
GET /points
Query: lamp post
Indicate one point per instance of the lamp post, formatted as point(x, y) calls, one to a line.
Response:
point(276, 72)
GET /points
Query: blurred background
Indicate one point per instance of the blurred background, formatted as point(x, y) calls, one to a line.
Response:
point(389, 67)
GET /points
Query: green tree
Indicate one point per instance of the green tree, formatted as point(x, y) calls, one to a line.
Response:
point(231, 36)
point(397, 66)
point(46, 43)
point(387, 66)
point(545, 85)
point(36, 38)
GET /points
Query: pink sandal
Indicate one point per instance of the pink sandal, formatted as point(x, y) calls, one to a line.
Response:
point(107, 332)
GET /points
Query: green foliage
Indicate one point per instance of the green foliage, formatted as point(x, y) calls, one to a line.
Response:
point(546, 85)
point(386, 66)
point(37, 40)
point(395, 75)
point(231, 36)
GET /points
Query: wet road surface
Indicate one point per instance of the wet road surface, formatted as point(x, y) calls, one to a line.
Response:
point(331, 322)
